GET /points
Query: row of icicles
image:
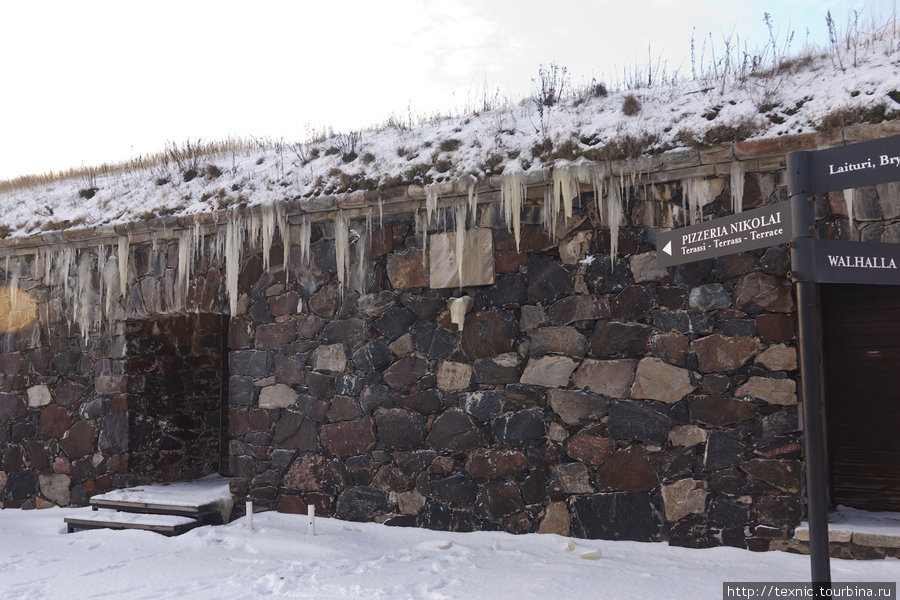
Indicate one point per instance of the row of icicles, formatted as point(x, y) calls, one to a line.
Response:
point(90, 306)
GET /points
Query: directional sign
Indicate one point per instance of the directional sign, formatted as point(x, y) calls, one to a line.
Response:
point(838, 261)
point(757, 228)
point(856, 165)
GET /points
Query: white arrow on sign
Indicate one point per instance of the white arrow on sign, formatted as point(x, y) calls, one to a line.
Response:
point(668, 248)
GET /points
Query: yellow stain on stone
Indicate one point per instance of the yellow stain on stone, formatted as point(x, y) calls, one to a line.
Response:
point(17, 309)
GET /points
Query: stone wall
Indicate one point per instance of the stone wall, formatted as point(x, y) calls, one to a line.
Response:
point(586, 394)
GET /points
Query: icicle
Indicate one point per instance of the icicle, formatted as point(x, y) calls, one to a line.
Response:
point(614, 217)
point(737, 186)
point(460, 240)
point(697, 191)
point(380, 211)
point(83, 293)
point(267, 227)
point(122, 258)
point(101, 263)
point(473, 199)
point(185, 261)
point(234, 238)
point(431, 202)
point(64, 269)
point(849, 198)
point(285, 229)
point(512, 192)
point(342, 248)
point(361, 246)
point(305, 237)
point(110, 279)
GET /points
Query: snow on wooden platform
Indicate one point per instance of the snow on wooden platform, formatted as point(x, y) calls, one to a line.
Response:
point(111, 519)
point(208, 490)
point(860, 527)
point(208, 499)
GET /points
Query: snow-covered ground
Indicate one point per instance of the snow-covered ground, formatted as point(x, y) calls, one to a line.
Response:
point(793, 96)
point(366, 561)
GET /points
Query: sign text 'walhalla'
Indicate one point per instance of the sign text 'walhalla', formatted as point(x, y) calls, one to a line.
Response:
point(757, 228)
point(837, 261)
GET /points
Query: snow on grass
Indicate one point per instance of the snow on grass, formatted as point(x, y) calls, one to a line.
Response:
point(801, 95)
point(368, 561)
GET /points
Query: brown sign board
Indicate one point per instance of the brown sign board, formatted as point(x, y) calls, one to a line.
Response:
point(758, 228)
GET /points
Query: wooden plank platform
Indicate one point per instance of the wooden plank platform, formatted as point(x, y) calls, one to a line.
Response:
point(168, 525)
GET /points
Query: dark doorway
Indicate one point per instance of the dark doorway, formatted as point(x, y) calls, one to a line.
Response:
point(861, 333)
point(176, 371)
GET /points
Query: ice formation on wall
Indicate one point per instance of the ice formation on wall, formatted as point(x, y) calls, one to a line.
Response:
point(697, 191)
point(613, 218)
point(122, 260)
point(460, 240)
point(850, 198)
point(342, 248)
point(473, 198)
point(737, 186)
point(512, 193)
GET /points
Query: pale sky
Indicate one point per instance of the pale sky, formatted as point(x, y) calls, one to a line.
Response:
point(93, 81)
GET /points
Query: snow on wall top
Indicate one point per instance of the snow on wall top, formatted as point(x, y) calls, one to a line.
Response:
point(802, 95)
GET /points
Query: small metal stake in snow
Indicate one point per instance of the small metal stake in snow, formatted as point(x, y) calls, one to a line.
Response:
point(310, 519)
point(249, 515)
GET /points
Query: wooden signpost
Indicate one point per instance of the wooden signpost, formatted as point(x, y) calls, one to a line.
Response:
point(813, 261)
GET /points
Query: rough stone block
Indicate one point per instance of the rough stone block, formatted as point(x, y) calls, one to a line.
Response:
point(683, 498)
point(477, 259)
point(548, 371)
point(277, 396)
point(611, 378)
point(454, 375)
point(657, 380)
point(773, 391)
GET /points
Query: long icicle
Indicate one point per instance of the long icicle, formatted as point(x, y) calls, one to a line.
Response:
point(460, 241)
point(512, 192)
point(342, 248)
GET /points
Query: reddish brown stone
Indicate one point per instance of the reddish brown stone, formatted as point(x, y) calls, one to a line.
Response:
point(757, 292)
point(778, 328)
point(61, 465)
point(285, 304)
point(306, 473)
point(348, 438)
point(509, 261)
point(275, 335)
point(671, 347)
point(55, 421)
point(295, 430)
point(238, 422)
point(291, 505)
point(405, 372)
point(590, 449)
point(628, 470)
point(79, 440)
point(717, 352)
point(488, 334)
point(69, 393)
point(117, 463)
point(325, 302)
point(487, 463)
point(10, 363)
point(406, 270)
point(12, 407)
point(381, 241)
point(454, 430)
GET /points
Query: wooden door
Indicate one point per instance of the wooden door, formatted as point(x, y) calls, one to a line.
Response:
point(861, 337)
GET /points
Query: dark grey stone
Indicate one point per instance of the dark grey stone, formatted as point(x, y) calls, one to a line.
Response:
point(374, 356)
point(483, 405)
point(548, 279)
point(684, 321)
point(630, 420)
point(240, 391)
point(519, 427)
point(509, 291)
point(400, 429)
point(723, 451)
point(611, 338)
point(361, 504)
point(395, 323)
point(252, 363)
point(616, 516)
point(455, 489)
